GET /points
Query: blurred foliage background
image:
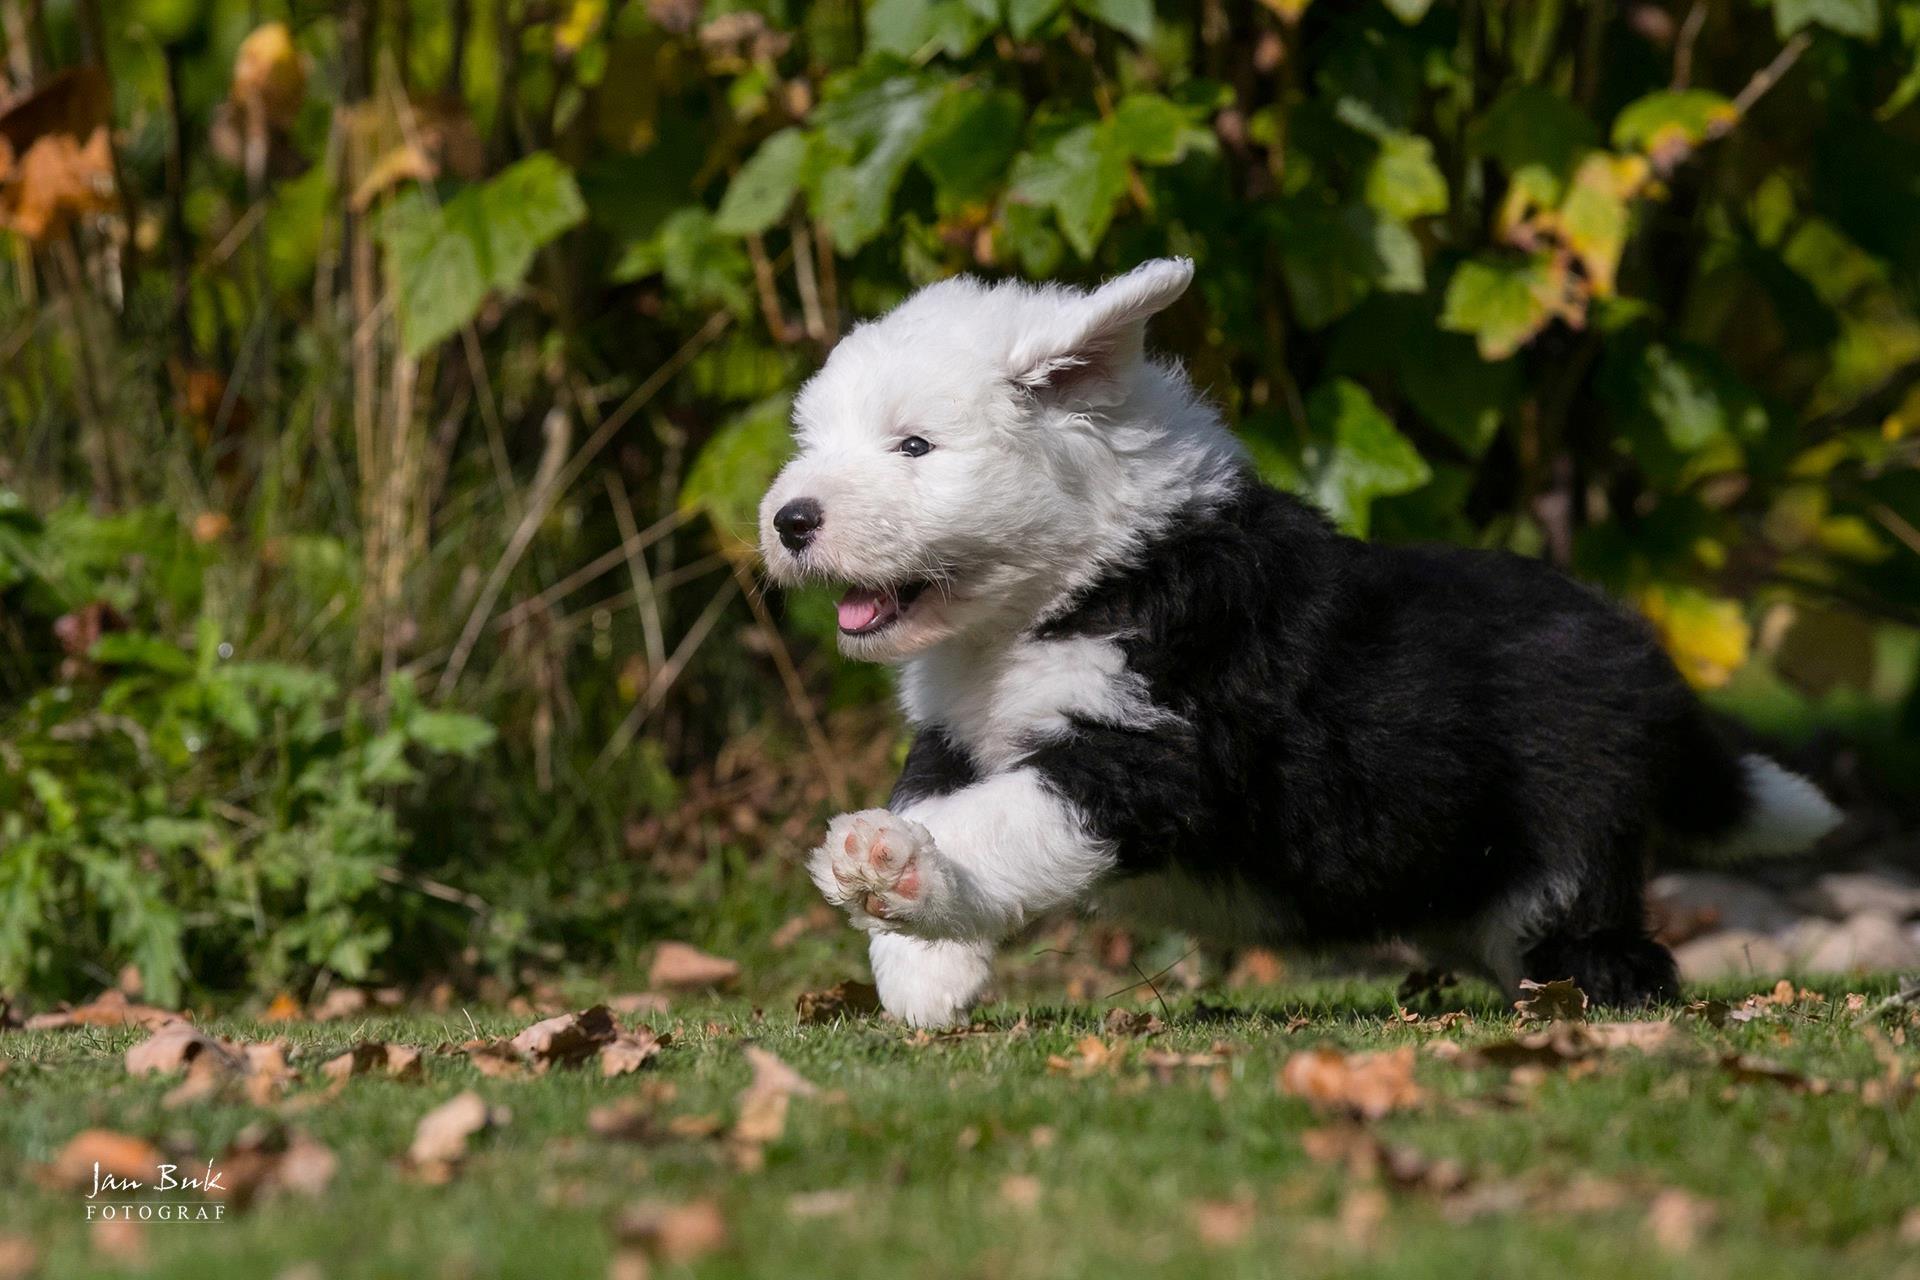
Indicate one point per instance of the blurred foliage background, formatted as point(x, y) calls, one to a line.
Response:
point(386, 387)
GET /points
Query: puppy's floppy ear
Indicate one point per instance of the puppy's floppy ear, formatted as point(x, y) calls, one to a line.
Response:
point(1083, 353)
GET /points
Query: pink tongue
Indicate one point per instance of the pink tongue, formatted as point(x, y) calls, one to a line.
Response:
point(861, 608)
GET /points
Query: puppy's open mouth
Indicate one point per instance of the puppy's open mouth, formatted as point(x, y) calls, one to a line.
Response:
point(865, 611)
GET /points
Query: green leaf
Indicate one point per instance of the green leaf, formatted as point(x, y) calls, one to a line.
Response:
point(134, 649)
point(1331, 258)
point(447, 260)
point(1537, 136)
point(883, 123)
point(1501, 302)
point(1025, 17)
point(1393, 340)
point(700, 265)
point(1153, 129)
point(735, 467)
point(1665, 120)
point(1131, 17)
point(1080, 175)
point(1356, 454)
point(970, 139)
point(1859, 18)
point(450, 732)
point(759, 194)
point(899, 26)
point(1404, 182)
point(1409, 11)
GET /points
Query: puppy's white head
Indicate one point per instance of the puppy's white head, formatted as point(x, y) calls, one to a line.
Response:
point(961, 457)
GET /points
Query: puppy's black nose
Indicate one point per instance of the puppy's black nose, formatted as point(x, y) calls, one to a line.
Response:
point(797, 522)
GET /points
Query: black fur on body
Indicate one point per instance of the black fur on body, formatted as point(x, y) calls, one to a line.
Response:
point(1379, 742)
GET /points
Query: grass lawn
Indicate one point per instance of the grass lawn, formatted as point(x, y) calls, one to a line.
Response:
point(1025, 1150)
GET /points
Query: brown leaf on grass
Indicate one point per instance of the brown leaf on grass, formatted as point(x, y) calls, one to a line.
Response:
point(1256, 967)
point(109, 1009)
point(1129, 1022)
point(1558, 1001)
point(341, 1002)
point(1021, 1191)
point(119, 1154)
point(265, 1159)
point(1712, 1012)
point(1222, 1224)
point(628, 1119)
point(568, 1038)
point(19, 1259)
point(1677, 1219)
point(763, 1103)
point(841, 1000)
point(176, 1045)
point(120, 1240)
point(815, 919)
point(440, 1139)
point(679, 967)
point(495, 1058)
point(1366, 1156)
point(267, 1072)
point(630, 1050)
point(1091, 1056)
point(1749, 1069)
point(374, 1057)
point(1566, 1042)
point(283, 1008)
point(1369, 1085)
point(672, 1233)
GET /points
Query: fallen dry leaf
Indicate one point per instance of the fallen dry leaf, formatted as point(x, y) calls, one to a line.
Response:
point(841, 1000)
point(371, 1057)
point(119, 1154)
point(176, 1045)
point(1221, 1224)
point(1366, 1156)
point(816, 919)
point(672, 1233)
point(640, 1002)
point(679, 967)
point(629, 1051)
point(283, 1008)
point(19, 1259)
point(1091, 1055)
point(120, 1240)
point(763, 1103)
point(1020, 1191)
point(1128, 1022)
point(110, 1009)
point(1368, 1084)
point(1257, 967)
point(568, 1038)
point(1712, 1012)
point(341, 1002)
point(1560, 1001)
point(1677, 1219)
point(440, 1140)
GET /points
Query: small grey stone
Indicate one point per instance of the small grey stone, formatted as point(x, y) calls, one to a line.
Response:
point(1841, 894)
point(1867, 942)
point(1735, 903)
point(1731, 953)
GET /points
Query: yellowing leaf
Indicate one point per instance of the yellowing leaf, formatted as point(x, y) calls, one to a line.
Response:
point(572, 32)
point(1708, 639)
point(269, 76)
point(1593, 218)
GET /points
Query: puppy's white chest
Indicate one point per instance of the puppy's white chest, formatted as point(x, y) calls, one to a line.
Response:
point(999, 702)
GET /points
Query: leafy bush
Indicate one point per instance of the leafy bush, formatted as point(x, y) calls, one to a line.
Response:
point(177, 808)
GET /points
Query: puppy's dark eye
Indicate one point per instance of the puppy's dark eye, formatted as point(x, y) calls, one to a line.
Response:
point(914, 447)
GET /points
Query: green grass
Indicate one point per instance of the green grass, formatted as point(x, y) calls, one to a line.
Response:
point(927, 1134)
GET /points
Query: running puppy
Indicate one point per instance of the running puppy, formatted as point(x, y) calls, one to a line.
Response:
point(1144, 681)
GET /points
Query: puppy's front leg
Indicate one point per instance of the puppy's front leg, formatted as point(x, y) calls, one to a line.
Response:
point(942, 880)
point(976, 863)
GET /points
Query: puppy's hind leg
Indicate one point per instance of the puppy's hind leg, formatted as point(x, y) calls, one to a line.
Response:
point(1619, 966)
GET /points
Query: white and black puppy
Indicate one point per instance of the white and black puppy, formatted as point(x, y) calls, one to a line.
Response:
point(1143, 681)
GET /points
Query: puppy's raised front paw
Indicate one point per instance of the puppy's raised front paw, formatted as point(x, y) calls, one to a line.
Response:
point(881, 868)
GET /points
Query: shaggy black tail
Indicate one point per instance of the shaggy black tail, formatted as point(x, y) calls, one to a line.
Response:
point(1731, 806)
